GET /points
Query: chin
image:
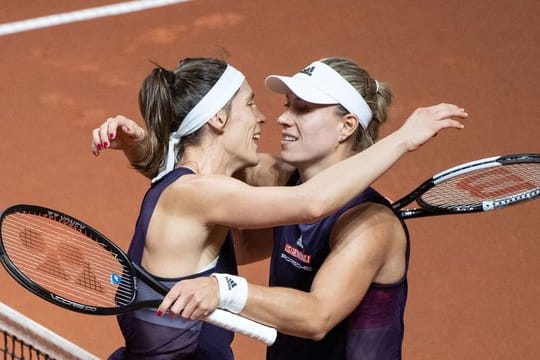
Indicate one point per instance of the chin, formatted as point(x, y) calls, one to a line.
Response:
point(254, 160)
point(291, 159)
point(251, 160)
point(288, 157)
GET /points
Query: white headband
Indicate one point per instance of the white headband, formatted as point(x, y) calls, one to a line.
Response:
point(318, 83)
point(211, 103)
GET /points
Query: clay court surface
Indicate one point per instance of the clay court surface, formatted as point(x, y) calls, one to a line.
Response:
point(474, 284)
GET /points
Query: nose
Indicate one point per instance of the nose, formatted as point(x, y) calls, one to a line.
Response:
point(261, 118)
point(284, 119)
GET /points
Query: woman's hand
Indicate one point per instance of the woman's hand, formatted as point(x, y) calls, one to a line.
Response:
point(424, 123)
point(192, 299)
point(119, 133)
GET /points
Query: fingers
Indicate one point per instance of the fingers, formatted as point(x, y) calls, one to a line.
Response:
point(425, 123)
point(442, 111)
point(451, 112)
point(103, 134)
point(168, 301)
point(192, 299)
point(448, 115)
point(191, 308)
point(188, 307)
point(116, 132)
point(448, 123)
point(96, 142)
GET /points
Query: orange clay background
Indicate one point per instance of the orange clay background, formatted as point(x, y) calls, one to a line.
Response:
point(474, 284)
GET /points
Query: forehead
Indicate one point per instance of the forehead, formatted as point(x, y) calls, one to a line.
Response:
point(244, 92)
point(293, 99)
point(243, 97)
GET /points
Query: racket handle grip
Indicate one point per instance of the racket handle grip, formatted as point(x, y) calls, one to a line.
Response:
point(242, 325)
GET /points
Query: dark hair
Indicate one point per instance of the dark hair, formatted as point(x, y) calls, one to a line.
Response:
point(378, 99)
point(166, 97)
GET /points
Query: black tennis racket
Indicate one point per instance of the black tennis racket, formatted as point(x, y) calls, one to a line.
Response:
point(481, 185)
point(70, 264)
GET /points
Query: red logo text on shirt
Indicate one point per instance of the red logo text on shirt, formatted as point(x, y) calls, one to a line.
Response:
point(297, 254)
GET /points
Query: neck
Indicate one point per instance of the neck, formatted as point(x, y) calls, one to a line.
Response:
point(311, 168)
point(206, 160)
point(192, 165)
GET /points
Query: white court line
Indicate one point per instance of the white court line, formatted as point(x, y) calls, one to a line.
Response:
point(81, 15)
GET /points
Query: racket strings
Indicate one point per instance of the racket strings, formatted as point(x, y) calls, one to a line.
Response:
point(55, 260)
point(62, 277)
point(66, 262)
point(50, 273)
point(506, 183)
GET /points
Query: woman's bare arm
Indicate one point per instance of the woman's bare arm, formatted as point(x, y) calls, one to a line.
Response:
point(361, 242)
point(218, 199)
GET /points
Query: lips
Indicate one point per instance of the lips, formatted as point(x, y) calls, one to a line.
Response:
point(288, 137)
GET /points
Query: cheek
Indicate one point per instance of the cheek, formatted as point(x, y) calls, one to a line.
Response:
point(241, 126)
point(322, 137)
point(319, 146)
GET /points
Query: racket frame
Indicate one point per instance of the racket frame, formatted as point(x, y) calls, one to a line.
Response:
point(218, 317)
point(490, 162)
point(88, 232)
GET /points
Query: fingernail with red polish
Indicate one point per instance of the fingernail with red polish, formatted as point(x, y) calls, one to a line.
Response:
point(159, 313)
point(111, 136)
point(99, 146)
point(105, 145)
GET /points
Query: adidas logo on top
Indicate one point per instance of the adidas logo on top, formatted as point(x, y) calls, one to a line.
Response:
point(230, 283)
point(308, 71)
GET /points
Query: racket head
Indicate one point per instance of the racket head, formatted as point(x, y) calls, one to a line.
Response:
point(483, 185)
point(51, 267)
point(65, 261)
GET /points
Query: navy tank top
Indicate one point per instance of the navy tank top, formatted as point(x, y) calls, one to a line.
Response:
point(148, 336)
point(373, 331)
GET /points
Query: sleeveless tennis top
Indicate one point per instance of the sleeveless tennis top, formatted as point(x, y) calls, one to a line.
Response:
point(148, 336)
point(374, 330)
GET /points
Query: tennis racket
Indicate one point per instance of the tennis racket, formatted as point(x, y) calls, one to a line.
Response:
point(481, 185)
point(70, 264)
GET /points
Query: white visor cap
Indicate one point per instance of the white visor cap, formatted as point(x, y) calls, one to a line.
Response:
point(318, 83)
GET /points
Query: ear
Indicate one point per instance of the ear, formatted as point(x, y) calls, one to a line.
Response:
point(218, 121)
point(349, 124)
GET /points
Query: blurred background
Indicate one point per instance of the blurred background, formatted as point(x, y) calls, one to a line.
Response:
point(472, 281)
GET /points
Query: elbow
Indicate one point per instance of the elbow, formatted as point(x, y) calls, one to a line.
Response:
point(317, 208)
point(320, 327)
point(317, 336)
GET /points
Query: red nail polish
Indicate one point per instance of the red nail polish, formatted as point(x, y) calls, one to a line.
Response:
point(99, 146)
point(159, 313)
point(105, 145)
point(111, 136)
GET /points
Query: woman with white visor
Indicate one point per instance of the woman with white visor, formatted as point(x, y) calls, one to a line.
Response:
point(187, 226)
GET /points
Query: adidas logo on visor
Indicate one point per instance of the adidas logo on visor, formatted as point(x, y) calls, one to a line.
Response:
point(308, 71)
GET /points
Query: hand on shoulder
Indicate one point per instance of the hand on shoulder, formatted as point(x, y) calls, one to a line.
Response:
point(118, 133)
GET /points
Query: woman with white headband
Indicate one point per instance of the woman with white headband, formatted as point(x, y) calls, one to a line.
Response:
point(184, 232)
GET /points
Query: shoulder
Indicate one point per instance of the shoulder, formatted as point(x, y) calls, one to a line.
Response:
point(371, 213)
point(368, 221)
point(204, 185)
point(198, 189)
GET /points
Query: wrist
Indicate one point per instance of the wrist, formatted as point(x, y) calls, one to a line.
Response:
point(398, 142)
point(233, 292)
